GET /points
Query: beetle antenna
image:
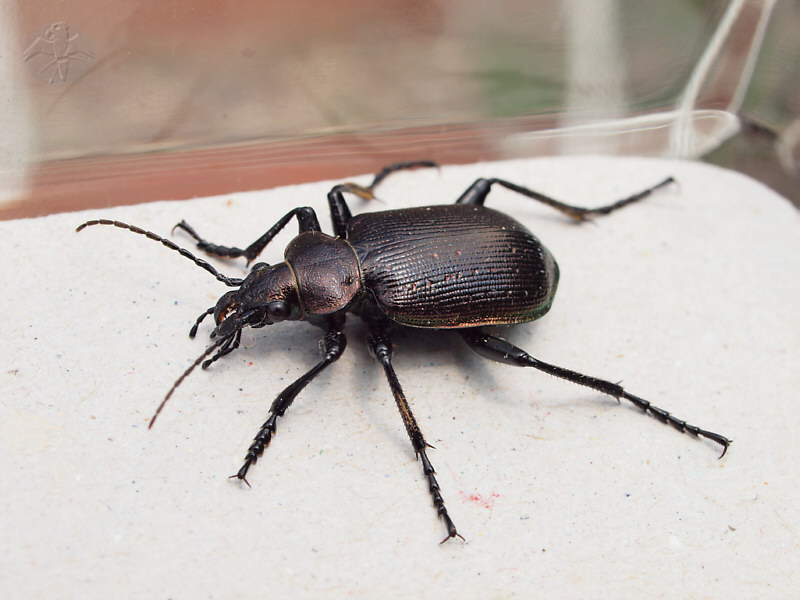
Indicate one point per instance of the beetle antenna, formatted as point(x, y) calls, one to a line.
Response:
point(186, 373)
point(229, 281)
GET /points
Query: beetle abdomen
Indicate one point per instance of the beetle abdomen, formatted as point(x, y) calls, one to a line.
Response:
point(453, 266)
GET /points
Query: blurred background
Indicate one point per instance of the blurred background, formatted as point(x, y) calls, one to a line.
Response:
point(107, 103)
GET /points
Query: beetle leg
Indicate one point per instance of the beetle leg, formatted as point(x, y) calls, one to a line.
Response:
point(381, 348)
point(306, 218)
point(398, 166)
point(498, 349)
point(478, 191)
point(340, 213)
point(333, 345)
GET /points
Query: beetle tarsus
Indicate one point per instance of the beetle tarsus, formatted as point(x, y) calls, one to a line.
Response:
point(243, 472)
point(208, 247)
point(399, 166)
point(604, 210)
point(679, 424)
point(257, 447)
point(498, 349)
point(436, 495)
point(306, 219)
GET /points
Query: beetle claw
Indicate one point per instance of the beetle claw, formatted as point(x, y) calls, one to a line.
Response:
point(450, 536)
point(241, 478)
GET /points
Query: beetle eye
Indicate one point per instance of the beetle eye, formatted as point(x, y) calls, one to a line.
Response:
point(278, 311)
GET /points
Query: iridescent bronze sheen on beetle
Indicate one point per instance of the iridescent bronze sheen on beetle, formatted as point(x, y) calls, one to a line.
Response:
point(461, 267)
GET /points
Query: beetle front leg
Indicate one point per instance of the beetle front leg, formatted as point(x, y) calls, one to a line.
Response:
point(498, 349)
point(333, 345)
point(381, 348)
point(306, 218)
point(479, 190)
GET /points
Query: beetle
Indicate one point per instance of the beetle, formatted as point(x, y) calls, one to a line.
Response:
point(460, 266)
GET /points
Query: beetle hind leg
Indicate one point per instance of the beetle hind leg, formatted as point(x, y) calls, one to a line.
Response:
point(479, 190)
point(500, 350)
point(340, 213)
point(366, 191)
point(381, 348)
point(398, 166)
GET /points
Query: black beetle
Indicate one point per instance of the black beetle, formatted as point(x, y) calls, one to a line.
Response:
point(461, 266)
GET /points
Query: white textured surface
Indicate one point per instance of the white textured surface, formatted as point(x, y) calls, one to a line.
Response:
point(691, 297)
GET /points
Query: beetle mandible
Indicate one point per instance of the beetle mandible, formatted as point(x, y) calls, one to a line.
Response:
point(461, 266)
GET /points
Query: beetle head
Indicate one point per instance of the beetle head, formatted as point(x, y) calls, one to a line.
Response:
point(267, 295)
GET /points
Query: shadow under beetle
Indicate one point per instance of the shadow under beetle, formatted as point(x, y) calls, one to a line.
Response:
point(460, 266)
